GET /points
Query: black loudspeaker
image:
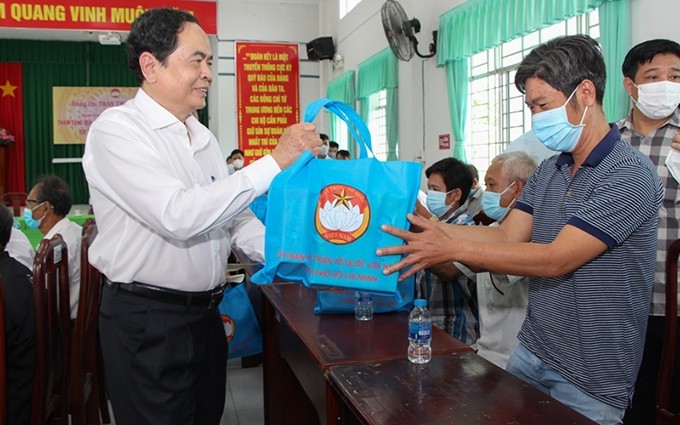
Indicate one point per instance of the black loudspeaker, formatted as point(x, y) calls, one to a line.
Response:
point(320, 48)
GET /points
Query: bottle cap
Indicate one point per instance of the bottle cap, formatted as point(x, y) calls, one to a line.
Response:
point(420, 302)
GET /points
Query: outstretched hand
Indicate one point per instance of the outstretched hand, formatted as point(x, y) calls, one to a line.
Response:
point(423, 249)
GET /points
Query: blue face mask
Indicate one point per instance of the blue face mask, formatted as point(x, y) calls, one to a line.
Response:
point(491, 204)
point(436, 202)
point(28, 217)
point(555, 131)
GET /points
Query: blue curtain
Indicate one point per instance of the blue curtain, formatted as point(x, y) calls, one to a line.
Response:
point(615, 41)
point(340, 88)
point(380, 72)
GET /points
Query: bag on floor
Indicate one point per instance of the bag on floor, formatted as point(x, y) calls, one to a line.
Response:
point(240, 323)
point(326, 228)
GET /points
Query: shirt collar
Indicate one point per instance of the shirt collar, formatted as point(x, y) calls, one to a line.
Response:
point(603, 148)
point(157, 116)
point(627, 123)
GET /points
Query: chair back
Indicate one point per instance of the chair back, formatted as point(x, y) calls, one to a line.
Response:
point(14, 200)
point(85, 374)
point(52, 332)
point(3, 359)
point(664, 414)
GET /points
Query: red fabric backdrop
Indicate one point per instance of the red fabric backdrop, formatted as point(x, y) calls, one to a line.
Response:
point(12, 119)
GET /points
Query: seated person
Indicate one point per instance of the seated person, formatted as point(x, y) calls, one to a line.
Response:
point(237, 160)
point(47, 205)
point(325, 148)
point(502, 298)
point(333, 149)
point(20, 248)
point(452, 298)
point(473, 204)
point(17, 287)
point(342, 154)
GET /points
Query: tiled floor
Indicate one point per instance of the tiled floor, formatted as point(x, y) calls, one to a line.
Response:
point(245, 401)
point(244, 404)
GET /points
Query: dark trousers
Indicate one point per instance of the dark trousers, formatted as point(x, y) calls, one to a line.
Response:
point(643, 410)
point(164, 363)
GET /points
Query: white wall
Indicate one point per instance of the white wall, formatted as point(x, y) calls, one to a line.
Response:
point(293, 21)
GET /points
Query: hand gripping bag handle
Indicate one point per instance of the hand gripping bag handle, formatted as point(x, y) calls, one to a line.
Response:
point(354, 122)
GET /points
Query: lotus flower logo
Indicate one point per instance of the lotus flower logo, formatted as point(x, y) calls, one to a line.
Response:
point(229, 327)
point(342, 214)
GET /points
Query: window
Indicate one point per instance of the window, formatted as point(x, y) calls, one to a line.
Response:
point(346, 6)
point(377, 124)
point(341, 133)
point(498, 114)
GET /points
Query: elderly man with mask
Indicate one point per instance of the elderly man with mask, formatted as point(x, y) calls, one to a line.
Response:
point(47, 205)
point(583, 230)
point(651, 73)
point(501, 298)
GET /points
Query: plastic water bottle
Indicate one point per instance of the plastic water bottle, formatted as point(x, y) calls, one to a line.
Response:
point(363, 306)
point(419, 333)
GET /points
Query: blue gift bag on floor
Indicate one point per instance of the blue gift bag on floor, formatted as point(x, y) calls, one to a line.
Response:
point(240, 323)
point(323, 225)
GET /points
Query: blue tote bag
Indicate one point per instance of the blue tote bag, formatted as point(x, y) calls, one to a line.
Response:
point(240, 323)
point(324, 216)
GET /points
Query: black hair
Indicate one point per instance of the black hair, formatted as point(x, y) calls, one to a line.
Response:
point(474, 171)
point(323, 136)
point(235, 151)
point(563, 63)
point(645, 52)
point(342, 153)
point(455, 173)
point(54, 190)
point(6, 223)
point(333, 144)
point(155, 31)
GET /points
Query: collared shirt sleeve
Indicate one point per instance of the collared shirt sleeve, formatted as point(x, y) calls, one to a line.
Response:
point(148, 174)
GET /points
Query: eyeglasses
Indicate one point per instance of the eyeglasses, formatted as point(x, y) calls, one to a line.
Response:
point(30, 202)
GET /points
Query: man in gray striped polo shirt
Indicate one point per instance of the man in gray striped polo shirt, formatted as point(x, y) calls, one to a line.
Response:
point(584, 231)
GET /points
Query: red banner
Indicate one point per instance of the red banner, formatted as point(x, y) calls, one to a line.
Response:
point(12, 120)
point(267, 95)
point(111, 15)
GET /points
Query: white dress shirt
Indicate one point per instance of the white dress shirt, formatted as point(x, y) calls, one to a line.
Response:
point(72, 235)
point(19, 248)
point(167, 210)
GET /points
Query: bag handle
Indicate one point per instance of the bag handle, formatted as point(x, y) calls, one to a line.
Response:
point(346, 113)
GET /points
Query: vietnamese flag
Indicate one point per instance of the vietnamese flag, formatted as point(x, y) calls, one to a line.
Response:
point(12, 120)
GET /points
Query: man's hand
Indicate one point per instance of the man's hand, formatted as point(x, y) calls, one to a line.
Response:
point(296, 139)
point(424, 249)
point(675, 143)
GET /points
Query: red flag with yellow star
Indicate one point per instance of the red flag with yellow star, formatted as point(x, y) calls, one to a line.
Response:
point(12, 120)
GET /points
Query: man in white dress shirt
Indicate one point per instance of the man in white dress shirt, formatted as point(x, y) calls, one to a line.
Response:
point(50, 201)
point(20, 248)
point(168, 215)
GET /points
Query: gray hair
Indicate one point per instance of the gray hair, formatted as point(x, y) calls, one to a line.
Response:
point(517, 165)
point(563, 63)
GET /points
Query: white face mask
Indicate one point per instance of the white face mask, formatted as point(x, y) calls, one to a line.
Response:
point(658, 100)
point(324, 150)
point(238, 164)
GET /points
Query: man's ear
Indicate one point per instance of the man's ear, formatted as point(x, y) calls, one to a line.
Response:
point(455, 196)
point(149, 66)
point(588, 93)
point(629, 85)
point(518, 188)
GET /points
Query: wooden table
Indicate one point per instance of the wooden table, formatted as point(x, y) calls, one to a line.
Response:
point(300, 346)
point(460, 388)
